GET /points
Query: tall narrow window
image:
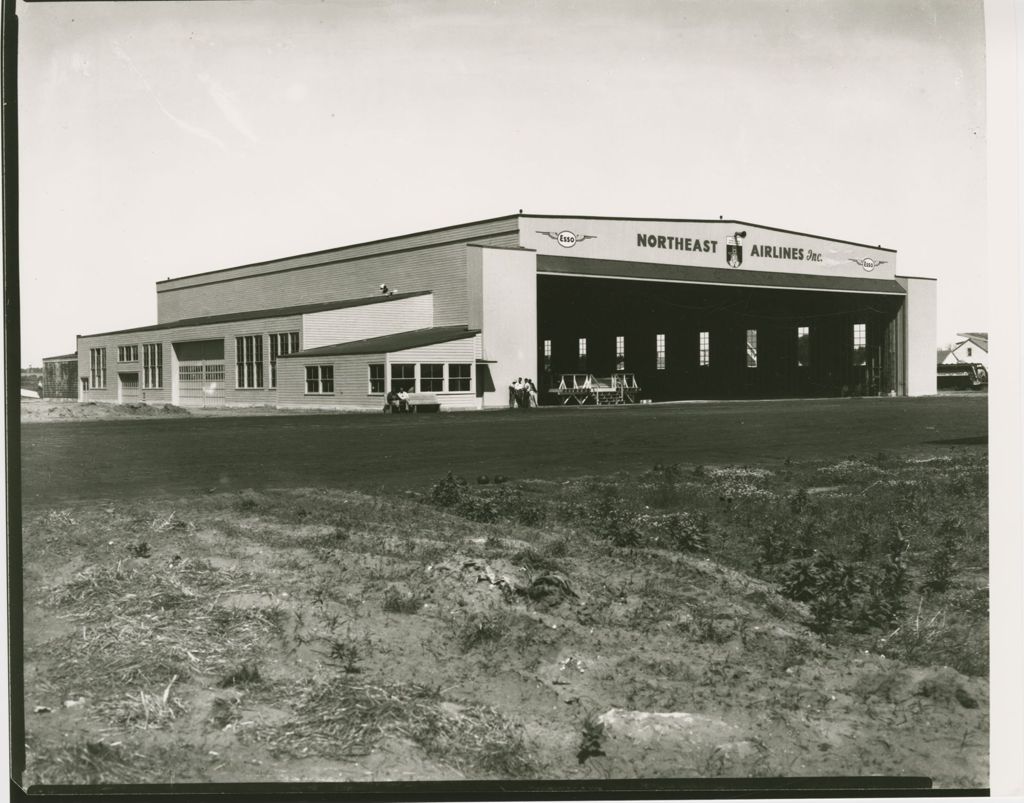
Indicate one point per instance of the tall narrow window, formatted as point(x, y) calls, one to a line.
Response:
point(377, 378)
point(659, 352)
point(620, 353)
point(153, 365)
point(281, 345)
point(319, 379)
point(860, 344)
point(547, 355)
point(751, 348)
point(98, 368)
point(249, 361)
point(704, 342)
point(803, 345)
point(583, 354)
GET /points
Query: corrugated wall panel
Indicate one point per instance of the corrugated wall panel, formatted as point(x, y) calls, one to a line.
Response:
point(374, 320)
point(411, 265)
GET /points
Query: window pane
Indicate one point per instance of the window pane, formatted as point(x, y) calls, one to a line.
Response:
point(431, 378)
point(659, 350)
point(403, 376)
point(377, 378)
point(705, 348)
point(803, 345)
point(459, 376)
point(860, 344)
point(751, 348)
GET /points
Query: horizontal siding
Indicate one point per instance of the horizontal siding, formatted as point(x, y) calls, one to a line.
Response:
point(167, 337)
point(351, 378)
point(439, 269)
point(374, 320)
point(464, 233)
point(465, 350)
point(351, 383)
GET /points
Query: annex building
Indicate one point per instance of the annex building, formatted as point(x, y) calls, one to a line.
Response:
point(682, 309)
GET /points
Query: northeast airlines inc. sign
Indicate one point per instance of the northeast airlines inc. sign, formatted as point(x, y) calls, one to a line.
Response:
point(711, 244)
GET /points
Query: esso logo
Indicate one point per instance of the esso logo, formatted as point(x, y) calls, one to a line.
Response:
point(566, 239)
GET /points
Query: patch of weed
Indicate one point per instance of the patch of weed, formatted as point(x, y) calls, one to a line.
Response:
point(397, 600)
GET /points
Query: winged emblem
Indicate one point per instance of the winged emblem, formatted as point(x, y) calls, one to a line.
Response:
point(566, 238)
point(868, 263)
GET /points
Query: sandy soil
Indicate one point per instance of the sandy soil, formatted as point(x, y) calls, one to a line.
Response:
point(325, 635)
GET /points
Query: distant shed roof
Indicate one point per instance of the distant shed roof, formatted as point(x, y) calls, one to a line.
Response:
point(981, 338)
point(62, 357)
point(389, 343)
point(278, 312)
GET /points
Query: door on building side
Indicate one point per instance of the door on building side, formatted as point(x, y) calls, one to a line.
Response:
point(201, 383)
point(128, 388)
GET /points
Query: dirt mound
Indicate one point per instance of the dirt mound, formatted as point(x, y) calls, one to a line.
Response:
point(43, 410)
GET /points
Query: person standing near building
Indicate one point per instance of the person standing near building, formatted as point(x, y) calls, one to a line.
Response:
point(532, 390)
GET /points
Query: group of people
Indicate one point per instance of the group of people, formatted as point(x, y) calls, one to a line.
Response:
point(522, 393)
point(398, 401)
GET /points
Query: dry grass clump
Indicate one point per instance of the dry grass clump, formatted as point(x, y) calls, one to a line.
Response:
point(338, 716)
point(92, 763)
point(145, 711)
point(85, 762)
point(139, 627)
point(131, 589)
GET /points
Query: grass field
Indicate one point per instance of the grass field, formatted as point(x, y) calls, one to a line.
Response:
point(763, 589)
point(133, 459)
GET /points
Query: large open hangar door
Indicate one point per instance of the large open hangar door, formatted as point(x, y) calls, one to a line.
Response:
point(695, 341)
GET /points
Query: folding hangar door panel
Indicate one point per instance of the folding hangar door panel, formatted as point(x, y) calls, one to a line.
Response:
point(128, 387)
point(200, 375)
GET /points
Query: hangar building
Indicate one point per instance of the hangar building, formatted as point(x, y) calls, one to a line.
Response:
point(683, 309)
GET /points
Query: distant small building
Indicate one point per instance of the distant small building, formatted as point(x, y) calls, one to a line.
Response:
point(973, 348)
point(60, 377)
point(945, 357)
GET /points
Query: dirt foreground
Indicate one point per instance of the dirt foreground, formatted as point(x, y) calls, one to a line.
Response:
point(513, 629)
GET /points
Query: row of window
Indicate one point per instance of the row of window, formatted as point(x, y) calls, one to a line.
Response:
point(152, 364)
point(803, 352)
point(422, 377)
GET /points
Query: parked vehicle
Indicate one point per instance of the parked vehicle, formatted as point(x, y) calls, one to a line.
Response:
point(963, 376)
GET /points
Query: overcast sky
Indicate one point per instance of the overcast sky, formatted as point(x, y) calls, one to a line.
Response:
point(162, 139)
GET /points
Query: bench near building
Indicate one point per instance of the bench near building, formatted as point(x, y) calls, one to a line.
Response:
point(668, 309)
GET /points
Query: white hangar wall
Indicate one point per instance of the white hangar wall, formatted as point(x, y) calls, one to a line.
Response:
point(921, 333)
point(503, 305)
point(704, 243)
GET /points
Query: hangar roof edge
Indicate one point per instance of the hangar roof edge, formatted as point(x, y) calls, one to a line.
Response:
point(279, 312)
point(400, 341)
